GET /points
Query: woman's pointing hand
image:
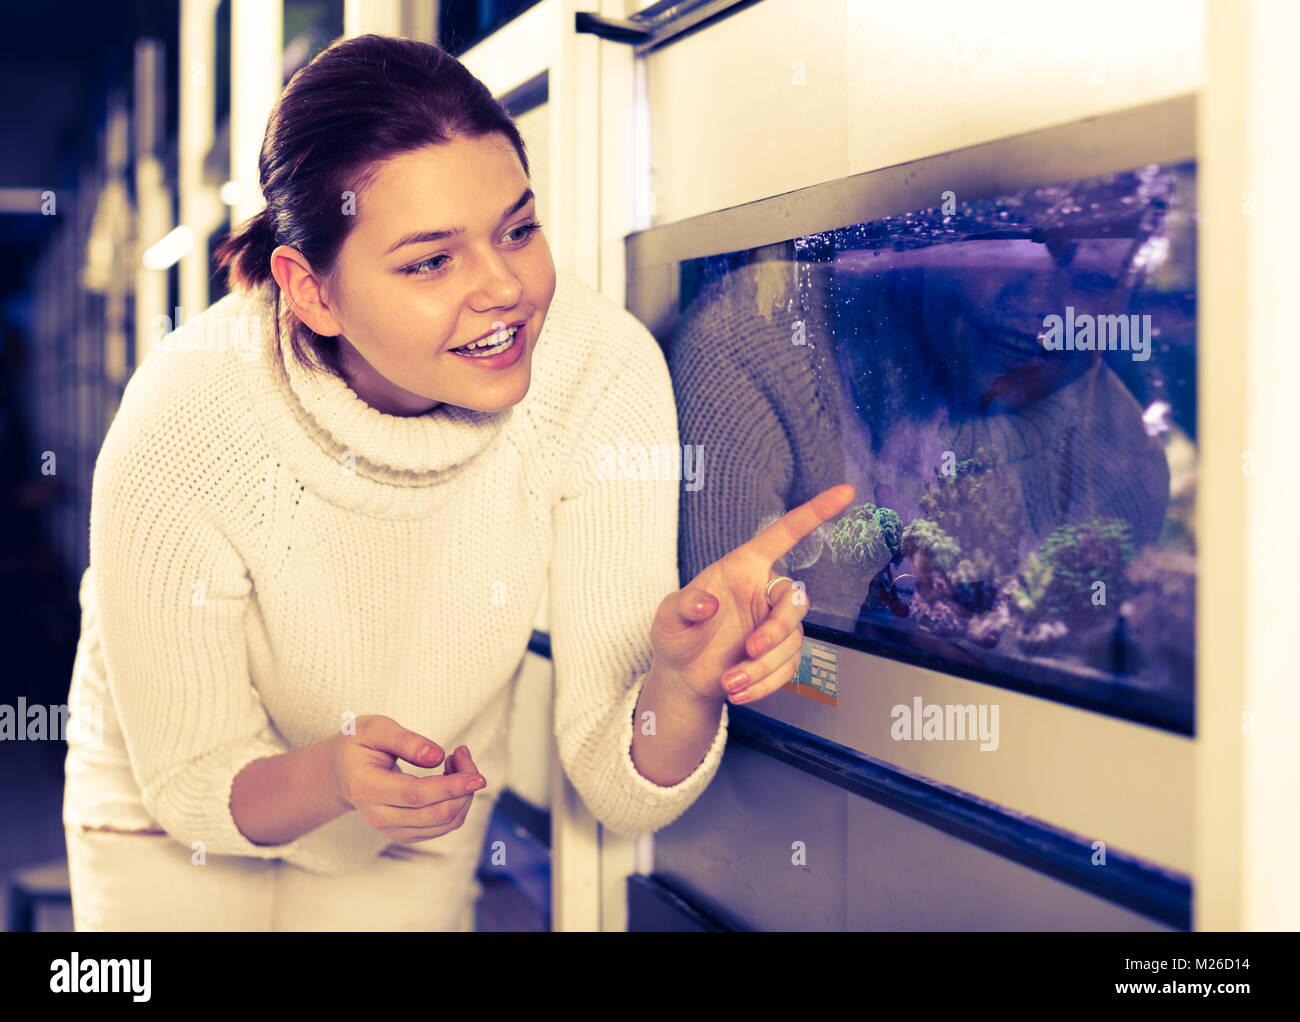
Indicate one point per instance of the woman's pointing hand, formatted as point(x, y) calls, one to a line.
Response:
point(721, 622)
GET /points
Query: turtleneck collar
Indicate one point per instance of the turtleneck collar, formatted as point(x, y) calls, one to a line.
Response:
point(353, 454)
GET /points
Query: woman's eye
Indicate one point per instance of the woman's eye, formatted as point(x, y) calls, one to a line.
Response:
point(417, 269)
point(527, 229)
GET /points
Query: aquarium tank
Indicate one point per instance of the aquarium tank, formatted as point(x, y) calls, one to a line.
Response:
point(1009, 382)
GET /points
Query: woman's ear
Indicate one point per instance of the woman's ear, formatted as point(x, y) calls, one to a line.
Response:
point(302, 288)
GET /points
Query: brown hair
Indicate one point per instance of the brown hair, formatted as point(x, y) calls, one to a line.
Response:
point(356, 104)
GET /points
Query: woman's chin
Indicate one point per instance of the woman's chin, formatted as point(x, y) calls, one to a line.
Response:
point(493, 399)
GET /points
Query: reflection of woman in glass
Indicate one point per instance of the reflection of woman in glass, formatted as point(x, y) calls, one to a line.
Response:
point(971, 372)
point(756, 384)
point(955, 421)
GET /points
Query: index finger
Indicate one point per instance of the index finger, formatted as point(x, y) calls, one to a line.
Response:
point(779, 538)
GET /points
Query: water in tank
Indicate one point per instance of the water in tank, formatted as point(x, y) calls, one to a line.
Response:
point(1010, 384)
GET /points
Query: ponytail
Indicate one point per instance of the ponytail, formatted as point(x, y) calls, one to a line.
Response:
point(245, 255)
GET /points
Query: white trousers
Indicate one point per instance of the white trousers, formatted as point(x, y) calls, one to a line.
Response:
point(133, 882)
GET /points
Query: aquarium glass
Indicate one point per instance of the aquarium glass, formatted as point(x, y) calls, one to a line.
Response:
point(1010, 384)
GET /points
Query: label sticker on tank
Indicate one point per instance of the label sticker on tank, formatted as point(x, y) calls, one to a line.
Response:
point(819, 673)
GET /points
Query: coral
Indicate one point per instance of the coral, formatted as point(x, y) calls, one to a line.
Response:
point(1044, 635)
point(891, 527)
point(978, 507)
point(1160, 613)
point(867, 537)
point(937, 616)
point(1004, 587)
point(1078, 556)
point(978, 567)
point(973, 585)
point(986, 629)
point(940, 587)
point(925, 536)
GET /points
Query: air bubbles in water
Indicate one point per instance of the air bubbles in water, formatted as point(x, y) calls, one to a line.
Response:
point(1155, 420)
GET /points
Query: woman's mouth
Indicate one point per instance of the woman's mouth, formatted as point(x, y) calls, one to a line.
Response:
point(498, 351)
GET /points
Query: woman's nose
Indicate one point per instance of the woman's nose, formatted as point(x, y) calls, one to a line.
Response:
point(497, 283)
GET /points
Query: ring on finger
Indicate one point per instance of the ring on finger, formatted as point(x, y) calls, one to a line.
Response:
point(767, 593)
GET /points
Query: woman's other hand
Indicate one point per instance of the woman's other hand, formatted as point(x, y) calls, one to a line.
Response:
point(402, 807)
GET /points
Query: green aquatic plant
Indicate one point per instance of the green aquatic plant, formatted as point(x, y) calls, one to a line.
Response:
point(1030, 586)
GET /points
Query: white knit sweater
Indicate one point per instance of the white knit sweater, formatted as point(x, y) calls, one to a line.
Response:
point(268, 554)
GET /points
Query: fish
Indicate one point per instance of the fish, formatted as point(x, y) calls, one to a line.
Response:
point(899, 608)
point(884, 588)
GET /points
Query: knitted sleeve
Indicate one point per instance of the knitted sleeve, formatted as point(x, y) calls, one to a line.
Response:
point(614, 560)
point(171, 593)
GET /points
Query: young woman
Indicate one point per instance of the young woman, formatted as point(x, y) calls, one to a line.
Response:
point(321, 526)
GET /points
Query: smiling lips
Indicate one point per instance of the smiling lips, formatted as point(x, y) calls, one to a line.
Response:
point(497, 331)
point(496, 356)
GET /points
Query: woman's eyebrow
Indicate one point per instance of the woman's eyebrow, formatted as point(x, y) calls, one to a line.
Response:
point(419, 236)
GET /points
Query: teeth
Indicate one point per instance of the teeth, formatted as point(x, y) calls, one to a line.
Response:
point(491, 341)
